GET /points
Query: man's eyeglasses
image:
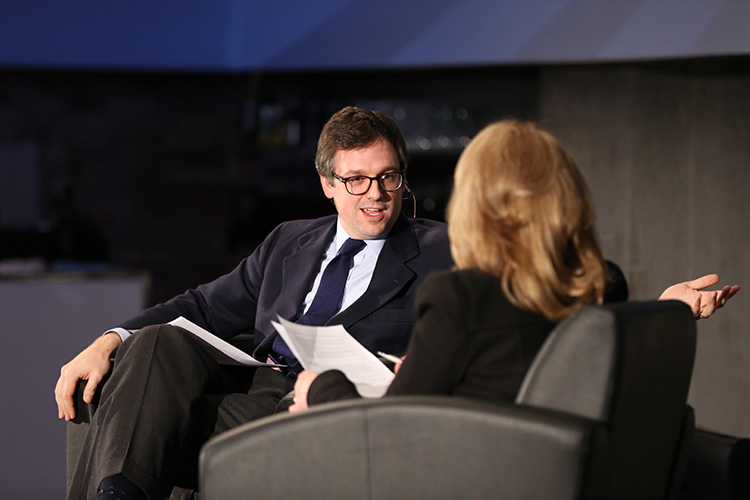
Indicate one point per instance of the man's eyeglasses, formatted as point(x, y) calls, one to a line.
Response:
point(360, 184)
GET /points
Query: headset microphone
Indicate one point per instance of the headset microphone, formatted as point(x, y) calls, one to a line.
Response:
point(414, 198)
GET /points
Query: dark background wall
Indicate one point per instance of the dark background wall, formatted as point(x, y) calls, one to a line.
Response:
point(169, 138)
point(182, 174)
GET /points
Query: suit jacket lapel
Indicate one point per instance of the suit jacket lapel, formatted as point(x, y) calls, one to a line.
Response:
point(391, 274)
point(300, 268)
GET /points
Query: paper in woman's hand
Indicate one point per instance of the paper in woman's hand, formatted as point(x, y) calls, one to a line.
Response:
point(321, 348)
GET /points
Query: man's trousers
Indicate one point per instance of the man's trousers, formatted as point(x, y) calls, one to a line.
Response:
point(167, 396)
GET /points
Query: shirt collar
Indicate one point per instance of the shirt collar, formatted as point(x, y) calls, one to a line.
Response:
point(342, 236)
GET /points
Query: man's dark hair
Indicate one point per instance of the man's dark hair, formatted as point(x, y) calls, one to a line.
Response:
point(352, 128)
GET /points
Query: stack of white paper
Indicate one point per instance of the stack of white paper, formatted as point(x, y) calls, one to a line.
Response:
point(321, 348)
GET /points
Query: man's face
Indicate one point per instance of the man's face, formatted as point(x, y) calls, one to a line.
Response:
point(374, 213)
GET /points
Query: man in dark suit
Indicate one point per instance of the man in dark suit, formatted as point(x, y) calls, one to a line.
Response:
point(166, 396)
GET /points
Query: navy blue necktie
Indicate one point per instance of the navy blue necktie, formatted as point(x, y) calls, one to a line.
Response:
point(330, 292)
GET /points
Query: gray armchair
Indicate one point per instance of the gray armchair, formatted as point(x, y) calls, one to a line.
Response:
point(602, 414)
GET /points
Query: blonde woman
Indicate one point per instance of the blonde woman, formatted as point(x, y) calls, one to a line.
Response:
point(521, 226)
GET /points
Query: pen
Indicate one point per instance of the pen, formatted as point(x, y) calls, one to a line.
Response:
point(390, 357)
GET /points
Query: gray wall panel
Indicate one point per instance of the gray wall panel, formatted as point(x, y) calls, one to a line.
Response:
point(667, 157)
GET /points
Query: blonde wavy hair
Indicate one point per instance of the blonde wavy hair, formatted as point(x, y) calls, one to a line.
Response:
point(521, 210)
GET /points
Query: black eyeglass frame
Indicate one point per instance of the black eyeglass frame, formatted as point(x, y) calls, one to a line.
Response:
point(379, 179)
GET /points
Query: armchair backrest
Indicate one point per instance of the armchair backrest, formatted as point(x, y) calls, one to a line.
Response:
point(628, 365)
point(415, 447)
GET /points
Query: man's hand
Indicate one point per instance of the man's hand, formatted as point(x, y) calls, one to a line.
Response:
point(301, 386)
point(91, 364)
point(702, 302)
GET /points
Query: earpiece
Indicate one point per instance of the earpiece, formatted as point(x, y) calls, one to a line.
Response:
point(414, 198)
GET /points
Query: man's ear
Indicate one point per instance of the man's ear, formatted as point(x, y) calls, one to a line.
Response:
point(327, 188)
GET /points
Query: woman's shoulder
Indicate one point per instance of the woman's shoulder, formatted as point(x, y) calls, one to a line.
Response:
point(471, 290)
point(462, 285)
point(465, 277)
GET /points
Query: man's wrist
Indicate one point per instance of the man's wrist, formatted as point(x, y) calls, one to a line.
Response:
point(108, 342)
point(121, 332)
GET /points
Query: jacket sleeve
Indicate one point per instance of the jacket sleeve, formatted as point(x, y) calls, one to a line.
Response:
point(331, 386)
point(226, 306)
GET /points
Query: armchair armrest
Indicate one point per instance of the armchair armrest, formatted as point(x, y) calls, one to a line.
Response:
point(85, 411)
point(717, 467)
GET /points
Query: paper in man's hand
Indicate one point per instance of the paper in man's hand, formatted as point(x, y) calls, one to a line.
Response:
point(223, 352)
